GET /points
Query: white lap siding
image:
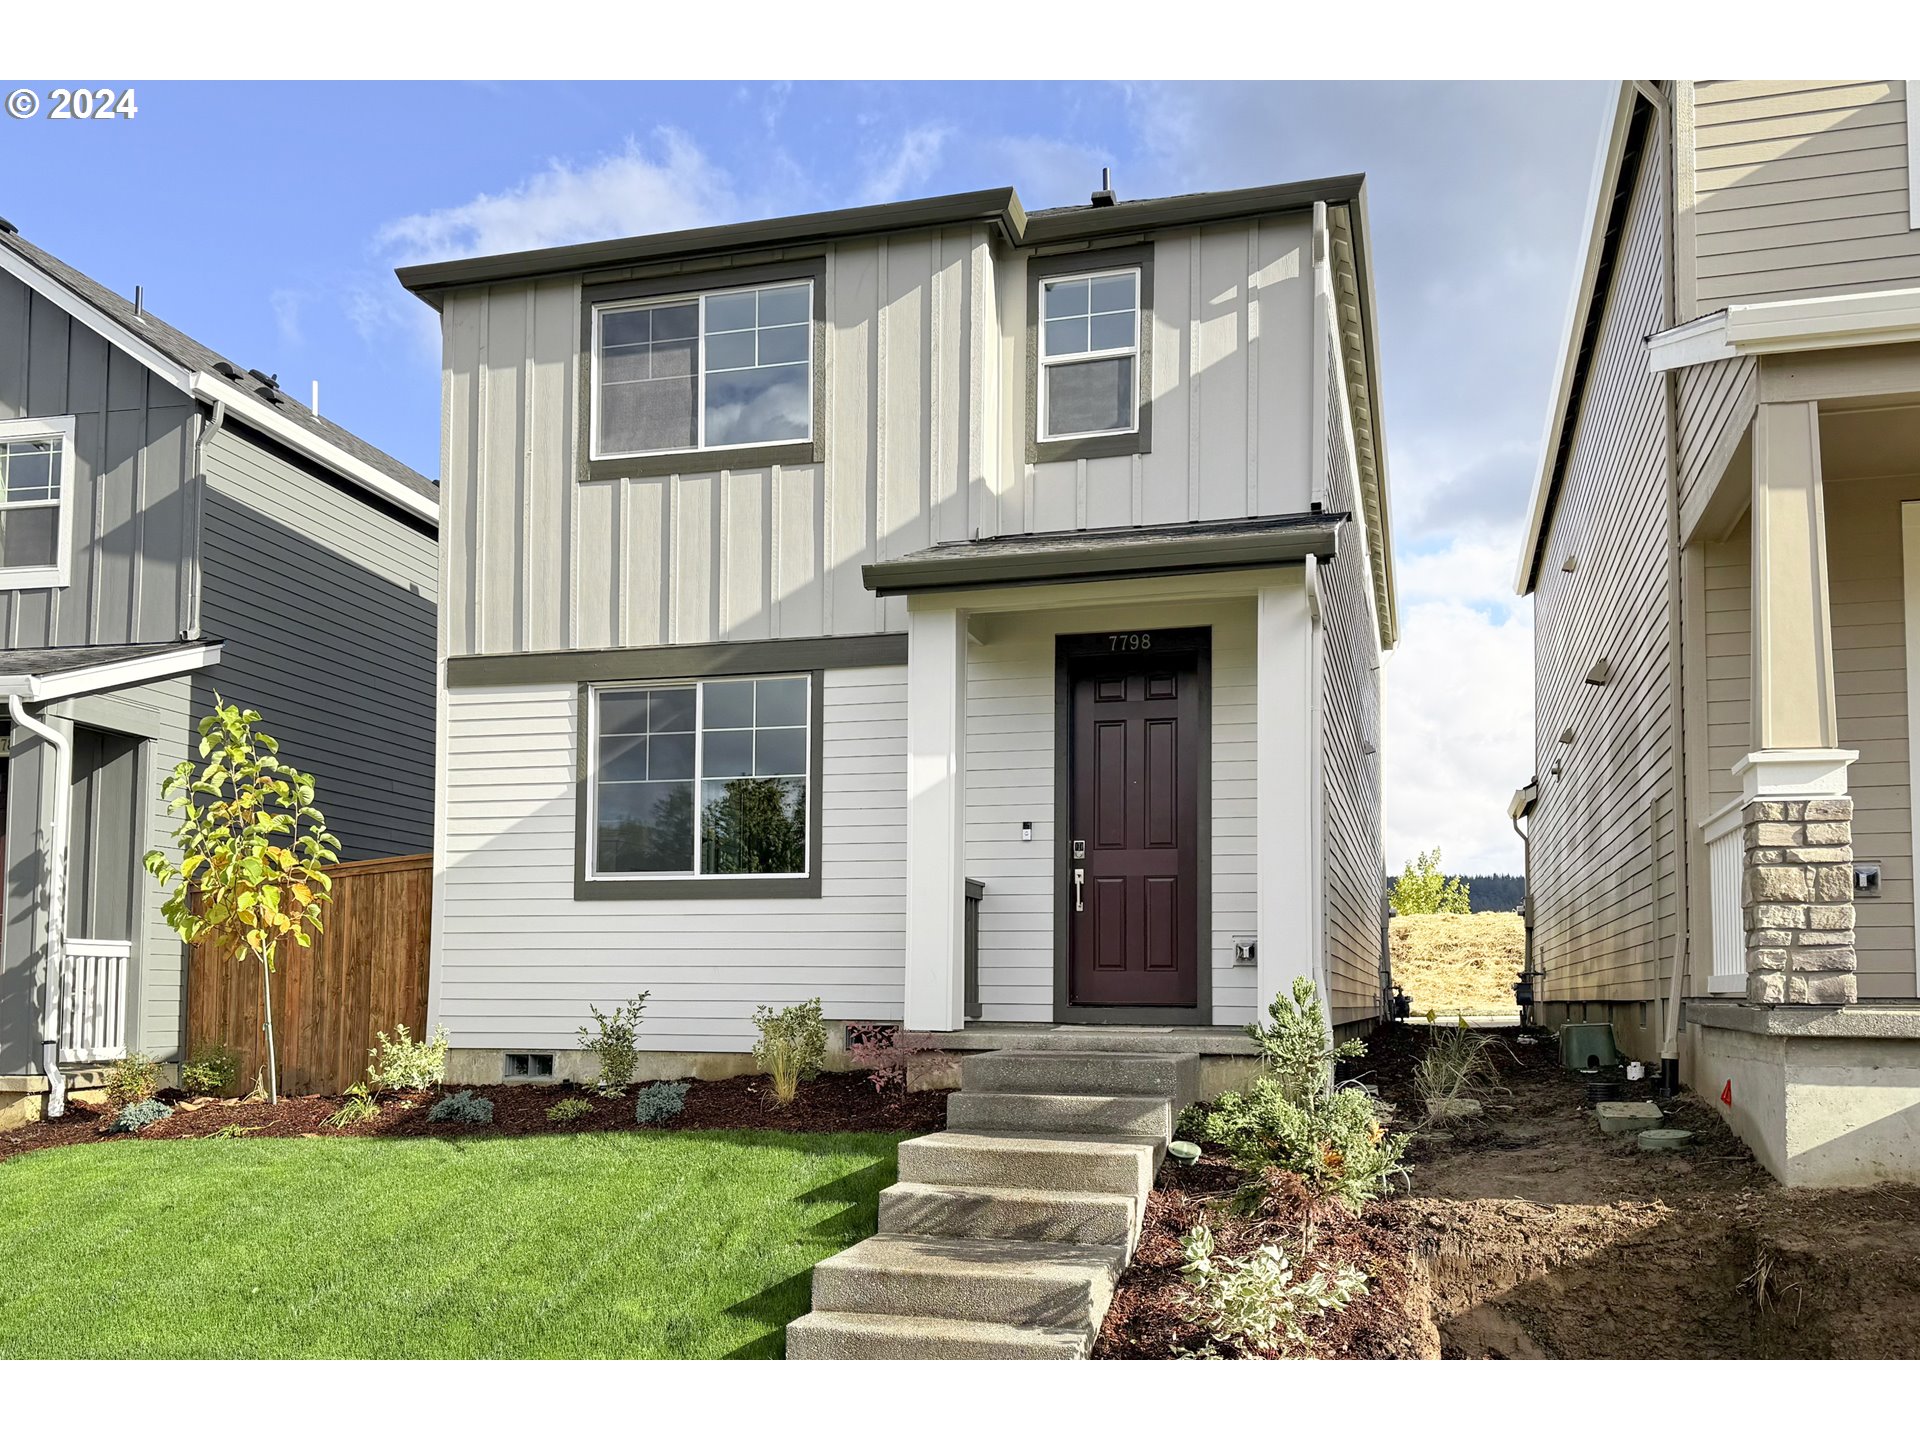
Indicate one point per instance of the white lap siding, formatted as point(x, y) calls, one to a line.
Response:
point(1010, 778)
point(520, 959)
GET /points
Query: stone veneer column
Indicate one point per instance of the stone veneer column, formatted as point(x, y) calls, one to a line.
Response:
point(1798, 895)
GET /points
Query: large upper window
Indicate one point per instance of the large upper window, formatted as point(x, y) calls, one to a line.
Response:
point(699, 779)
point(704, 372)
point(34, 516)
point(1089, 354)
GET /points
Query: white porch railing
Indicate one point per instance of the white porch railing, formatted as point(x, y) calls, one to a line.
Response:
point(93, 1000)
point(1726, 860)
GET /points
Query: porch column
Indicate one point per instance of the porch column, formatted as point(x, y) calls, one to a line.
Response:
point(1284, 849)
point(1797, 885)
point(936, 818)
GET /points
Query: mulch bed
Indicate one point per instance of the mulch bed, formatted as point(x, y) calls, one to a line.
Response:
point(828, 1103)
point(1149, 1318)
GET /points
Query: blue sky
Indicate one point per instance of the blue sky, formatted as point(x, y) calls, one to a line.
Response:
point(266, 221)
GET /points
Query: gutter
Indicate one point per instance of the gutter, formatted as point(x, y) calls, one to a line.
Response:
point(56, 946)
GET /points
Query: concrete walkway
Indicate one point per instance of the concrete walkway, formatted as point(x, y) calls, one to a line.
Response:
point(1006, 1232)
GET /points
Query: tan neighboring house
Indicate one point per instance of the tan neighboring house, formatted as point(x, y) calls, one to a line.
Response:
point(967, 616)
point(1724, 555)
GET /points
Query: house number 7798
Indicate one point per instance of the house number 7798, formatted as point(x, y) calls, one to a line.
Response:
point(1132, 640)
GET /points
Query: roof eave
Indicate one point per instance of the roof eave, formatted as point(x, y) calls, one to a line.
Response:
point(998, 207)
point(1606, 174)
point(114, 674)
point(1370, 329)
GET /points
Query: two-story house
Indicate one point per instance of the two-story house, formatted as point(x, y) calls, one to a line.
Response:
point(172, 527)
point(1724, 555)
point(966, 616)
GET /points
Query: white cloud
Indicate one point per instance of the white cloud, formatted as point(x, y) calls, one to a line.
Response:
point(1459, 708)
point(906, 167)
point(630, 192)
point(286, 316)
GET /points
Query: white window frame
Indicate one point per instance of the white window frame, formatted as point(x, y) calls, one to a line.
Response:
point(698, 684)
point(701, 297)
point(1044, 434)
point(54, 576)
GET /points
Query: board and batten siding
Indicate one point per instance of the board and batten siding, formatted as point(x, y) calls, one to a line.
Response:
point(1800, 188)
point(519, 959)
point(1355, 863)
point(1603, 863)
point(1011, 751)
point(924, 390)
point(131, 543)
point(326, 605)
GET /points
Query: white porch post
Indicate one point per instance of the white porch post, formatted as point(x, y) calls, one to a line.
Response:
point(1284, 729)
point(936, 818)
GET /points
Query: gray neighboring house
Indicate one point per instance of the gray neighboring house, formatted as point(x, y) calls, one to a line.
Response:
point(172, 526)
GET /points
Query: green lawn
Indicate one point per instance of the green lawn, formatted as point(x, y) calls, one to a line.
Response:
point(685, 1245)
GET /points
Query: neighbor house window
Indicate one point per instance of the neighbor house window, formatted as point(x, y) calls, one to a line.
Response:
point(1089, 354)
point(35, 469)
point(713, 371)
point(701, 779)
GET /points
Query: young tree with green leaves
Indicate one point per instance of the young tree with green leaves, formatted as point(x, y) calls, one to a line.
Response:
point(253, 851)
point(1423, 890)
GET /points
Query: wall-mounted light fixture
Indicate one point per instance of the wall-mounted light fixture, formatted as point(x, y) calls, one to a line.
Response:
point(1601, 673)
point(1569, 565)
point(1566, 736)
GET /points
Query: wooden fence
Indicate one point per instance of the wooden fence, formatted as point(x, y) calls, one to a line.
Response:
point(366, 973)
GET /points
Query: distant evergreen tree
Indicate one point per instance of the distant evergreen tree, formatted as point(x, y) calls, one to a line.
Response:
point(1496, 892)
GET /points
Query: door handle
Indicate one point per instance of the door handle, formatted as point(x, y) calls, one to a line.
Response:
point(1079, 889)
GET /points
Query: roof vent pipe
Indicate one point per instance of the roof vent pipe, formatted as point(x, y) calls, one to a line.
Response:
point(1104, 195)
point(140, 303)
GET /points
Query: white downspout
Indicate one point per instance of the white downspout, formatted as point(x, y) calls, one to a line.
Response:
point(56, 902)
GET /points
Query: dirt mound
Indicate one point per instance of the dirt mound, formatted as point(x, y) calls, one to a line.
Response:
point(1459, 964)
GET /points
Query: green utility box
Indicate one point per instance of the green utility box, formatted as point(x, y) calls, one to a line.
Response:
point(1585, 1045)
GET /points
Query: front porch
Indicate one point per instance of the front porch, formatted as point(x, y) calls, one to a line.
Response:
point(1110, 856)
point(1803, 571)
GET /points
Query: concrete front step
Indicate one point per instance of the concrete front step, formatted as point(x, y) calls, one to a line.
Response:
point(1082, 1072)
point(1110, 1165)
point(1150, 1115)
point(1107, 1039)
point(1072, 1217)
point(838, 1335)
point(1028, 1283)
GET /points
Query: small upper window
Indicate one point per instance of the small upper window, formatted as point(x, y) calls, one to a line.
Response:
point(704, 372)
point(34, 515)
point(1089, 355)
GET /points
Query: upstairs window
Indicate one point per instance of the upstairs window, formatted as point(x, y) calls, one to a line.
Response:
point(697, 780)
point(714, 371)
point(35, 477)
point(1089, 354)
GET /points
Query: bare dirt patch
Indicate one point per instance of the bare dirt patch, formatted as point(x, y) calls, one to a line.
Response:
point(1459, 964)
point(1530, 1234)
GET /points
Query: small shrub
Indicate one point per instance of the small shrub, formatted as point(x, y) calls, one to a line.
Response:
point(617, 1043)
point(1258, 1302)
point(140, 1114)
point(358, 1105)
point(132, 1080)
point(210, 1072)
point(660, 1102)
point(1295, 1049)
point(1336, 1143)
point(883, 1051)
point(1458, 1061)
point(463, 1107)
point(568, 1111)
point(792, 1044)
point(233, 1132)
point(404, 1063)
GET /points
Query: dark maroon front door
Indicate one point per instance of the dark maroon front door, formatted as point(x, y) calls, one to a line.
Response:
point(1133, 859)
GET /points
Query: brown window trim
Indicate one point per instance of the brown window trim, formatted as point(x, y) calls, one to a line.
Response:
point(1138, 441)
point(695, 887)
point(700, 282)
